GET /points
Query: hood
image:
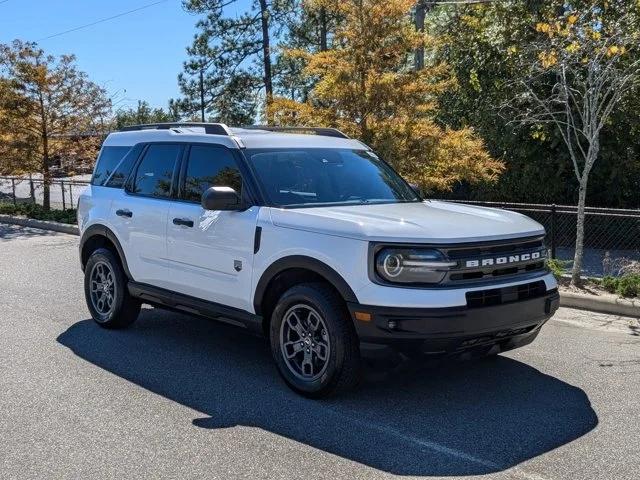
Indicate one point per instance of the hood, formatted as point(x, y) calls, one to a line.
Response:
point(425, 222)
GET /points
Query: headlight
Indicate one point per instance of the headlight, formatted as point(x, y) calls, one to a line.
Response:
point(412, 265)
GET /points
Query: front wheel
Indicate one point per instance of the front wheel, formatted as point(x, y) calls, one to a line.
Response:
point(313, 341)
point(105, 289)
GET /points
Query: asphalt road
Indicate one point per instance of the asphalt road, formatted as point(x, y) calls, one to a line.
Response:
point(181, 397)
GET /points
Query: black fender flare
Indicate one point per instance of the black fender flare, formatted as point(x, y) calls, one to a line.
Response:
point(307, 263)
point(98, 230)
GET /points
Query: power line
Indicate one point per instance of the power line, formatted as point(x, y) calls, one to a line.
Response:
point(99, 21)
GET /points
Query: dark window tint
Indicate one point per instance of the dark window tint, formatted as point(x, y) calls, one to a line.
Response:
point(209, 167)
point(123, 169)
point(107, 162)
point(303, 177)
point(155, 172)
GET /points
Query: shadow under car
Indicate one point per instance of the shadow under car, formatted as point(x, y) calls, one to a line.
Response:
point(453, 418)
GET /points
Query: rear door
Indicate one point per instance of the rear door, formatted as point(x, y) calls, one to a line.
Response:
point(210, 252)
point(140, 213)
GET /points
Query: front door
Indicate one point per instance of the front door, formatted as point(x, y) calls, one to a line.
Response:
point(210, 253)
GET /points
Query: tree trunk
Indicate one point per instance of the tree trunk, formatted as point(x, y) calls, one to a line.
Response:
point(268, 85)
point(579, 252)
point(46, 176)
point(323, 30)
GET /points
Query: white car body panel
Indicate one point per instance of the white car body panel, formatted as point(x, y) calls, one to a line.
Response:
point(203, 259)
point(143, 236)
point(424, 222)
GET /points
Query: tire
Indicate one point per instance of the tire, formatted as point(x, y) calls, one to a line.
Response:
point(104, 274)
point(327, 331)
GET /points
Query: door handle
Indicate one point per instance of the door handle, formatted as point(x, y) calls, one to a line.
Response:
point(183, 221)
point(124, 213)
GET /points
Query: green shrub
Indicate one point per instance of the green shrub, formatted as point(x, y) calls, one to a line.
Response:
point(35, 211)
point(610, 284)
point(629, 286)
point(557, 267)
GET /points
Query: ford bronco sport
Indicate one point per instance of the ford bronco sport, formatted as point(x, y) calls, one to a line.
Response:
point(306, 236)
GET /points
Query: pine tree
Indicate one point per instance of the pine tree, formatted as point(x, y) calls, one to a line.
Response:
point(143, 113)
point(230, 60)
point(309, 29)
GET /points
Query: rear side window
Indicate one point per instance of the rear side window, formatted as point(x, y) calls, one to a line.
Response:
point(107, 162)
point(209, 167)
point(123, 169)
point(154, 175)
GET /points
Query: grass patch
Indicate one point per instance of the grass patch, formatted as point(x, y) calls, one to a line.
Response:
point(35, 211)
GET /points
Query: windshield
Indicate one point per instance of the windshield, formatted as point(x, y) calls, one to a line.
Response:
point(295, 177)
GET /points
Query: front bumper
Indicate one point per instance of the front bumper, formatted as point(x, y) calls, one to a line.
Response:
point(446, 330)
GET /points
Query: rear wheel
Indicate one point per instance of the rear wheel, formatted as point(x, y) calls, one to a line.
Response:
point(106, 293)
point(313, 341)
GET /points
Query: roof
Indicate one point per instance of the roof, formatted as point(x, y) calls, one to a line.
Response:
point(237, 138)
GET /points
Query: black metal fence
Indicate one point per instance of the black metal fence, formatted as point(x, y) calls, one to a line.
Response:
point(63, 192)
point(612, 235)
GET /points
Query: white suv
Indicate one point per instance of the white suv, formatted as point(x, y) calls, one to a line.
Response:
point(306, 236)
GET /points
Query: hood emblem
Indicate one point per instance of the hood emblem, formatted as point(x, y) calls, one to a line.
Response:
point(237, 265)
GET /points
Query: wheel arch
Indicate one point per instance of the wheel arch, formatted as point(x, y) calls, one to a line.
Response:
point(97, 236)
point(299, 265)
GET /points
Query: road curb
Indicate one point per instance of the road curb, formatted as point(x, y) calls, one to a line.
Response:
point(603, 304)
point(41, 224)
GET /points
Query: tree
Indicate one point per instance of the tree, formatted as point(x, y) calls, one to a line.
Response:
point(307, 29)
point(143, 113)
point(484, 45)
point(367, 87)
point(222, 76)
point(47, 107)
point(577, 73)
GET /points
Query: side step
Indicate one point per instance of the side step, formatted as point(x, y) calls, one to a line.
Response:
point(163, 298)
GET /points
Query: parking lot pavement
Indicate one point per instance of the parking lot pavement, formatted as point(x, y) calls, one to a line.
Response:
point(182, 397)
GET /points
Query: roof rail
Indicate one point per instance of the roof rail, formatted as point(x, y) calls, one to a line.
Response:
point(209, 128)
point(325, 132)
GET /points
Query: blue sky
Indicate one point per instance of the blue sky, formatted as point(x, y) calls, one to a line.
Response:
point(137, 56)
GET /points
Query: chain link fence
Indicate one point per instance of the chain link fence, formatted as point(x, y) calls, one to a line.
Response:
point(611, 240)
point(612, 236)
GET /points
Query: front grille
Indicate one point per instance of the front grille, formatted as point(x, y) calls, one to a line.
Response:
point(495, 260)
point(508, 247)
point(501, 296)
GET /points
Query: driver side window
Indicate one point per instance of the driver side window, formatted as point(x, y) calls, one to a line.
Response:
point(209, 166)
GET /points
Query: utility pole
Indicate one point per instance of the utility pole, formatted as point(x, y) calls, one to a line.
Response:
point(202, 93)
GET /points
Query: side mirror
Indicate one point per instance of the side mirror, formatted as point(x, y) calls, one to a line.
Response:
point(220, 198)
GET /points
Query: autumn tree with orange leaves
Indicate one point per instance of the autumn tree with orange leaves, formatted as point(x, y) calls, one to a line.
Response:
point(367, 87)
point(47, 108)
